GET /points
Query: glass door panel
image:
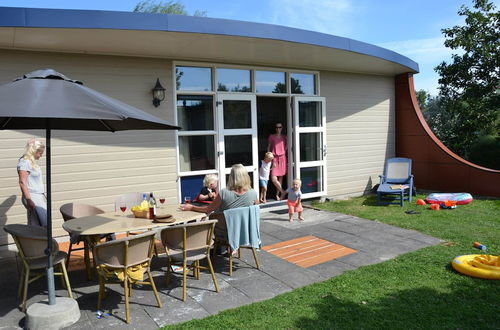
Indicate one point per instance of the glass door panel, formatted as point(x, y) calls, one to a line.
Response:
point(309, 132)
point(237, 134)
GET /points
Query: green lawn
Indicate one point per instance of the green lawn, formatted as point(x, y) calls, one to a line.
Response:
point(418, 290)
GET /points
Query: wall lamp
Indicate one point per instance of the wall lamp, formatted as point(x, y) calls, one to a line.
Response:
point(158, 93)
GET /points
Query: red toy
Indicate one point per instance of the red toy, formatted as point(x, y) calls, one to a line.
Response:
point(421, 202)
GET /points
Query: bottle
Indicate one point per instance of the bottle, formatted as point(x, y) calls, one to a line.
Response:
point(479, 246)
point(152, 206)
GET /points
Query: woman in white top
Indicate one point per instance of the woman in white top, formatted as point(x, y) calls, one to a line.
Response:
point(31, 183)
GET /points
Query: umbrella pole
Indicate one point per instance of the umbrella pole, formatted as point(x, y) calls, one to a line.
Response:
point(50, 267)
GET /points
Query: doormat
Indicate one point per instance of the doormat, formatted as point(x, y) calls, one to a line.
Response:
point(308, 251)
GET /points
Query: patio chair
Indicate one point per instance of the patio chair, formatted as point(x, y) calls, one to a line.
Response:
point(236, 229)
point(71, 211)
point(396, 185)
point(186, 245)
point(31, 242)
point(125, 260)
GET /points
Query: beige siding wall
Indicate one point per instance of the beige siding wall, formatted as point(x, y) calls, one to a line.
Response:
point(360, 130)
point(93, 167)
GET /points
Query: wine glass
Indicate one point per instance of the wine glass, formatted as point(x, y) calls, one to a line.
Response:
point(162, 200)
point(187, 200)
point(123, 206)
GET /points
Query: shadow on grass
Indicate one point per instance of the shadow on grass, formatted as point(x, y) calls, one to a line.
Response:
point(471, 305)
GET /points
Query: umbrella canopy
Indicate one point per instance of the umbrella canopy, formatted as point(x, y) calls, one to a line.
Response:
point(46, 99)
point(28, 102)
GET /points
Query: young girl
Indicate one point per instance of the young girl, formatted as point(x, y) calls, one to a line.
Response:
point(264, 170)
point(294, 200)
point(208, 192)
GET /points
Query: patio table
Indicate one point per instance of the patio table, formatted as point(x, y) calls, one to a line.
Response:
point(117, 222)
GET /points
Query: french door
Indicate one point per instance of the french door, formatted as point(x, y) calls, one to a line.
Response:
point(309, 144)
point(237, 135)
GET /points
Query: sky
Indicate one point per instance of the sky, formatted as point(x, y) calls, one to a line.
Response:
point(411, 28)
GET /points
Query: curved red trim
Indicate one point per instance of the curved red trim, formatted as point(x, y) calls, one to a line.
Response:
point(434, 165)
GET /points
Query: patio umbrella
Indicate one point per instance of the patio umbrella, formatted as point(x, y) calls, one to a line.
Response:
point(46, 99)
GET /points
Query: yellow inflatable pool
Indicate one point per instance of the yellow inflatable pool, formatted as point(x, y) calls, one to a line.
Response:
point(478, 265)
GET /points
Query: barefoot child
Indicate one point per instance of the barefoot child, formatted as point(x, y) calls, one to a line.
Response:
point(264, 170)
point(295, 200)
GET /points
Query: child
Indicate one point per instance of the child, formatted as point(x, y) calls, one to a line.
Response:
point(264, 170)
point(208, 192)
point(294, 200)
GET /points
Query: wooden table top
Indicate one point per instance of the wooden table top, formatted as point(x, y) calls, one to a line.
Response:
point(115, 222)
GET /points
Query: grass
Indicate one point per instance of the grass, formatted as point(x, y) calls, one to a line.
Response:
point(418, 290)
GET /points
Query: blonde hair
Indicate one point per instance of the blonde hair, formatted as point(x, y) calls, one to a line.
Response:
point(298, 181)
point(210, 178)
point(32, 146)
point(238, 178)
point(268, 155)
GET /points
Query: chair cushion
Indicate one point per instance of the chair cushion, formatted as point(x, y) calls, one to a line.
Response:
point(193, 255)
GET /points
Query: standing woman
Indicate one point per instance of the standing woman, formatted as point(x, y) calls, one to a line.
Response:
point(31, 183)
point(277, 145)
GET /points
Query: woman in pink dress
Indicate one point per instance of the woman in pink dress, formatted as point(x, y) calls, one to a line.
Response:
point(277, 145)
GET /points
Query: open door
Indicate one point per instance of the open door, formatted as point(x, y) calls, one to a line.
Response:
point(237, 135)
point(309, 144)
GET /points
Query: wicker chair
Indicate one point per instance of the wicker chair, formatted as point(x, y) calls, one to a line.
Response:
point(186, 245)
point(31, 242)
point(125, 260)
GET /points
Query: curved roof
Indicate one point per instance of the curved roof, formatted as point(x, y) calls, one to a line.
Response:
point(192, 38)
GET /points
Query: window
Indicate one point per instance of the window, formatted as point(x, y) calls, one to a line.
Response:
point(189, 78)
point(303, 83)
point(233, 80)
point(196, 153)
point(270, 82)
point(195, 113)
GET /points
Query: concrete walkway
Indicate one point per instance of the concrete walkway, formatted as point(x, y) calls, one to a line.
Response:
point(375, 242)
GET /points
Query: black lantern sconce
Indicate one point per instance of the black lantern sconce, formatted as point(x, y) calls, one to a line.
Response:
point(158, 93)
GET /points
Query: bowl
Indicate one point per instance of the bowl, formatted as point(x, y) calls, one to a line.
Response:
point(141, 214)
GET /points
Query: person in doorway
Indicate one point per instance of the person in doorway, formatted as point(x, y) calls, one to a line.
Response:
point(209, 191)
point(264, 171)
point(295, 200)
point(31, 183)
point(277, 145)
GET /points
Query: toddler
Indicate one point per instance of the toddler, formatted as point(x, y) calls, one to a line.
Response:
point(264, 170)
point(294, 200)
point(208, 192)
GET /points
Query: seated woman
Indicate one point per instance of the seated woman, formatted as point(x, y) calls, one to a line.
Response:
point(238, 193)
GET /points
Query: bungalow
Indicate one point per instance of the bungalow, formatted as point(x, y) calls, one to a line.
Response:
point(227, 84)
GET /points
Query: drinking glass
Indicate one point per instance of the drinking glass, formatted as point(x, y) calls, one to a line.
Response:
point(162, 200)
point(187, 200)
point(123, 205)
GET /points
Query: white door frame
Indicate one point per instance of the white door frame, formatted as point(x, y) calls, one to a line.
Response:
point(297, 130)
point(222, 132)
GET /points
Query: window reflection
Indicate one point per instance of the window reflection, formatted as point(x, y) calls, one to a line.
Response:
point(302, 83)
point(237, 114)
point(270, 82)
point(238, 149)
point(311, 178)
point(233, 80)
point(310, 147)
point(195, 113)
point(310, 114)
point(193, 79)
point(196, 153)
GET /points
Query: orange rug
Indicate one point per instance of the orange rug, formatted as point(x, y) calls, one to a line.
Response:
point(308, 251)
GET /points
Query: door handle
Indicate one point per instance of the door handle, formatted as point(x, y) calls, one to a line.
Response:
point(220, 153)
point(324, 151)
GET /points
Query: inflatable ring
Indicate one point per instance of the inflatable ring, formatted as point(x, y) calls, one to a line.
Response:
point(478, 265)
point(459, 198)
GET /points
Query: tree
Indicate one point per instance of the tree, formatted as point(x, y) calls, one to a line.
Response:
point(469, 85)
point(165, 7)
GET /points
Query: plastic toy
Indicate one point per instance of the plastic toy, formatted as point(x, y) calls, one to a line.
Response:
point(459, 198)
point(478, 265)
point(479, 246)
point(421, 202)
point(435, 207)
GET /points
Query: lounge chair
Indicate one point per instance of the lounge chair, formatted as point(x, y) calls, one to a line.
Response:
point(396, 185)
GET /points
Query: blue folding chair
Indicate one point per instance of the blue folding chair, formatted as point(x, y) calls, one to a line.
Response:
point(396, 185)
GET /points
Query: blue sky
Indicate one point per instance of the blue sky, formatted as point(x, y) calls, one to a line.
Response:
point(411, 28)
